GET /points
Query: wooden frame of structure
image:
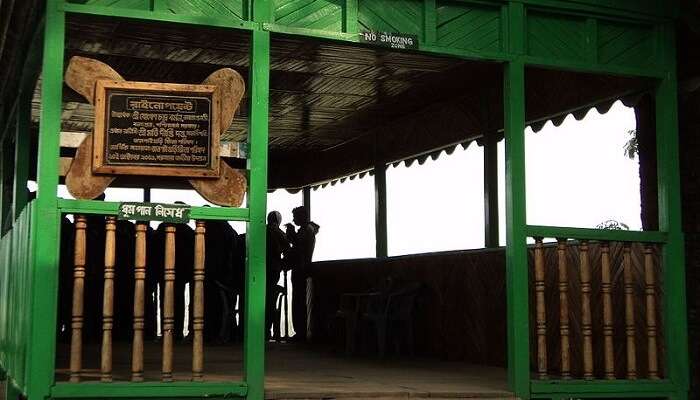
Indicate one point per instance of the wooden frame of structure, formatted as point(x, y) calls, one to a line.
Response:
point(597, 32)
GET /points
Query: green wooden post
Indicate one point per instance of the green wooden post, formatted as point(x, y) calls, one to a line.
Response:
point(491, 191)
point(675, 317)
point(254, 348)
point(516, 239)
point(22, 143)
point(429, 22)
point(380, 216)
point(3, 172)
point(350, 17)
point(45, 218)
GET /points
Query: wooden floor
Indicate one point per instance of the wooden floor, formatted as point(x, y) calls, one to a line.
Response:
point(302, 372)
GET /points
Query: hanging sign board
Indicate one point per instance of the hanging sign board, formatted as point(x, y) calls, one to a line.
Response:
point(173, 213)
point(156, 129)
point(391, 40)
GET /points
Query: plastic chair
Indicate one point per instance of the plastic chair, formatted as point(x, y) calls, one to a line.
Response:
point(390, 310)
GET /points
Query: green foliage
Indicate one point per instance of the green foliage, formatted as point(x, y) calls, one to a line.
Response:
point(613, 225)
point(632, 146)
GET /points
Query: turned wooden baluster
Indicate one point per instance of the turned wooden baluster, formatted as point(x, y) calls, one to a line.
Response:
point(586, 320)
point(651, 311)
point(541, 310)
point(76, 344)
point(139, 289)
point(564, 309)
point(606, 288)
point(629, 312)
point(198, 312)
point(108, 300)
point(169, 304)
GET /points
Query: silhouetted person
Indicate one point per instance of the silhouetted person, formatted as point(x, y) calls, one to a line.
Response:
point(303, 242)
point(94, 278)
point(277, 246)
point(220, 248)
point(124, 255)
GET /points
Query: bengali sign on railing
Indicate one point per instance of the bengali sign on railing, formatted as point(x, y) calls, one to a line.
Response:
point(173, 213)
point(156, 129)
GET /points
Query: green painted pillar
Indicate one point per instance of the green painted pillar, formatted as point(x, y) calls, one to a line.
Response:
point(254, 342)
point(45, 217)
point(516, 239)
point(350, 24)
point(380, 215)
point(669, 194)
point(491, 191)
point(3, 171)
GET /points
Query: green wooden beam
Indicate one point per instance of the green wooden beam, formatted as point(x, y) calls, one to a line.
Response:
point(585, 67)
point(159, 5)
point(429, 21)
point(3, 171)
point(579, 387)
point(517, 301)
point(350, 17)
point(163, 390)
point(69, 206)
point(254, 342)
point(669, 197)
point(263, 11)
point(491, 191)
point(596, 234)
point(117, 12)
point(380, 214)
point(288, 30)
point(45, 224)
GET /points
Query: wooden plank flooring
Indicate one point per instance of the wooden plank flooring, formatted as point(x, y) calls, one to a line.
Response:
point(302, 372)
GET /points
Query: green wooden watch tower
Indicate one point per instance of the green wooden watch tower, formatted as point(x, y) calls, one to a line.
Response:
point(621, 38)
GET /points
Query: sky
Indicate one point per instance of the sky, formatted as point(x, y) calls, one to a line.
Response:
point(577, 175)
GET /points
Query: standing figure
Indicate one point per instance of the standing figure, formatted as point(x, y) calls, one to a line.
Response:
point(220, 244)
point(303, 242)
point(277, 246)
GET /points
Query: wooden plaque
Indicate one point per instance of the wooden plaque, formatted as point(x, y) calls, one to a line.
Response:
point(156, 129)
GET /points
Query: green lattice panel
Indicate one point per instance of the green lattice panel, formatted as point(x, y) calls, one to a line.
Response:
point(625, 44)
point(404, 16)
point(556, 37)
point(131, 4)
point(211, 8)
point(464, 26)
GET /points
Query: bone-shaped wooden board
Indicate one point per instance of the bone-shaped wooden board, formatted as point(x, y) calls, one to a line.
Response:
point(228, 189)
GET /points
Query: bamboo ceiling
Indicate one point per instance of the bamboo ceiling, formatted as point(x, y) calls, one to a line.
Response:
point(335, 108)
